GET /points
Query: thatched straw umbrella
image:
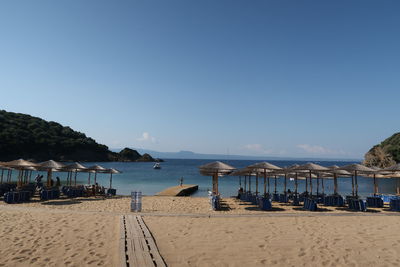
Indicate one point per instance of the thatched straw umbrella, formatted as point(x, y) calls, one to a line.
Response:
point(96, 168)
point(300, 175)
point(111, 172)
point(19, 165)
point(75, 167)
point(356, 169)
point(264, 167)
point(312, 167)
point(240, 173)
point(216, 169)
point(49, 166)
point(334, 173)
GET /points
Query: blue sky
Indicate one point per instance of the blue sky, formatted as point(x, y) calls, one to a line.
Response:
point(275, 78)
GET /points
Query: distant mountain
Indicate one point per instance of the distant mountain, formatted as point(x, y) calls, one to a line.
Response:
point(192, 155)
point(384, 154)
point(24, 136)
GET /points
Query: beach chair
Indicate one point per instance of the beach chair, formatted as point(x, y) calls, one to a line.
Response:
point(283, 198)
point(111, 192)
point(375, 202)
point(215, 202)
point(265, 203)
point(310, 204)
point(394, 204)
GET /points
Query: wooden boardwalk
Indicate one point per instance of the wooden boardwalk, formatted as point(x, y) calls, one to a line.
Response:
point(137, 246)
point(184, 190)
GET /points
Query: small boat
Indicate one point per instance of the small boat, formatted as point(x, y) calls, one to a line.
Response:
point(157, 166)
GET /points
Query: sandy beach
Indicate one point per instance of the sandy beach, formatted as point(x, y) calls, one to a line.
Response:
point(84, 232)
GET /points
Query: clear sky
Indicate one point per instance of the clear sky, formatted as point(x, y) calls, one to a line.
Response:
point(275, 78)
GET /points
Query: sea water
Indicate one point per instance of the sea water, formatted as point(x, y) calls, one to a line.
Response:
point(140, 176)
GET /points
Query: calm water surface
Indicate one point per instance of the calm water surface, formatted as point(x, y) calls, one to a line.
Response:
point(140, 176)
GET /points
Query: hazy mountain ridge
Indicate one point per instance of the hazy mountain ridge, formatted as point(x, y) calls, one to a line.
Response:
point(193, 155)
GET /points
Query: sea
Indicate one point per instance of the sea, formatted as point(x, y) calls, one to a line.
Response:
point(140, 176)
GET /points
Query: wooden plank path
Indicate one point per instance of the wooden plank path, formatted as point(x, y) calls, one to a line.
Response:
point(137, 246)
point(184, 190)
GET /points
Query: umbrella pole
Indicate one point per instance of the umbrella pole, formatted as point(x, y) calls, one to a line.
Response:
point(245, 183)
point(19, 178)
point(318, 185)
point(296, 184)
point(76, 172)
point(250, 183)
point(352, 185)
point(268, 185)
point(95, 177)
point(284, 184)
point(356, 182)
point(257, 184)
point(216, 180)
point(323, 186)
point(89, 178)
point(110, 180)
point(375, 188)
point(275, 185)
point(265, 182)
point(310, 183)
point(306, 184)
point(335, 184)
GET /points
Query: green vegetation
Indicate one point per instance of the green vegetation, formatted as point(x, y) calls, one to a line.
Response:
point(384, 154)
point(24, 136)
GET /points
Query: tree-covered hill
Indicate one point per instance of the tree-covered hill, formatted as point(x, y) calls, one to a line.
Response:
point(384, 154)
point(24, 136)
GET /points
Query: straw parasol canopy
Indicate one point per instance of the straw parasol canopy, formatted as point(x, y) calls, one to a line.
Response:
point(246, 172)
point(96, 168)
point(74, 167)
point(334, 172)
point(21, 165)
point(50, 166)
point(216, 169)
point(355, 169)
point(264, 167)
point(312, 167)
point(111, 172)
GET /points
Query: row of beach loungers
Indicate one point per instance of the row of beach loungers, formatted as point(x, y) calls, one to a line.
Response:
point(311, 203)
point(13, 195)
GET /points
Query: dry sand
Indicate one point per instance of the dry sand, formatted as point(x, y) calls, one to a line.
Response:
point(37, 238)
point(84, 232)
point(278, 241)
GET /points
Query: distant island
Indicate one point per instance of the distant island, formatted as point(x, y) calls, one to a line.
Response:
point(384, 154)
point(28, 137)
